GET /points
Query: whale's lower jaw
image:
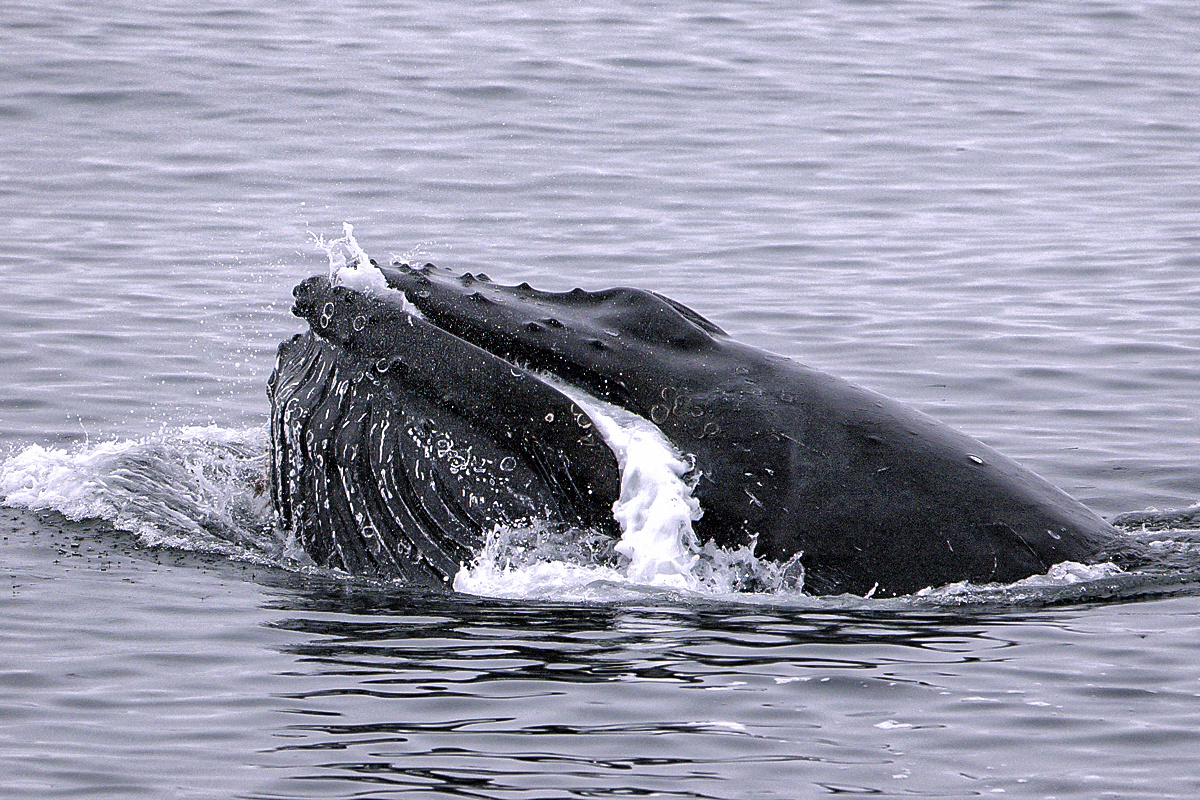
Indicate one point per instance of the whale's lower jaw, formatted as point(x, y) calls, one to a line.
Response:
point(376, 479)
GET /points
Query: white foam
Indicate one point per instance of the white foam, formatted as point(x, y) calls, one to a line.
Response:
point(350, 266)
point(493, 576)
point(41, 478)
point(654, 510)
point(195, 488)
point(1059, 576)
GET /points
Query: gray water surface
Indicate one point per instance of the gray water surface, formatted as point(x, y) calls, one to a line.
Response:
point(988, 210)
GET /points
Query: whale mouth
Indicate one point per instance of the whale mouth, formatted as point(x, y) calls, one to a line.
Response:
point(582, 337)
point(415, 417)
point(507, 383)
point(410, 422)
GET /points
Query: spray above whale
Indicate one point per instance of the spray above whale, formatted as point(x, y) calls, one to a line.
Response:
point(423, 409)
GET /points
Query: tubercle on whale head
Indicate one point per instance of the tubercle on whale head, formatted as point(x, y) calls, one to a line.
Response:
point(642, 315)
point(602, 341)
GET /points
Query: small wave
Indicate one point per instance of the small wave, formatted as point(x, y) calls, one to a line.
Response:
point(1155, 520)
point(200, 489)
point(537, 562)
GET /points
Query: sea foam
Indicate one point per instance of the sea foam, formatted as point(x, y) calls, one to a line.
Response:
point(654, 510)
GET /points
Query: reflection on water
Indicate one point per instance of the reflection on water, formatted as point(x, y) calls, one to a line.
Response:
point(490, 699)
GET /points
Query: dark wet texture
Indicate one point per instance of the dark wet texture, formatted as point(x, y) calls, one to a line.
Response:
point(397, 447)
point(870, 495)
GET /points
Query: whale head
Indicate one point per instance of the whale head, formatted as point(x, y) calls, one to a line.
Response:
point(411, 420)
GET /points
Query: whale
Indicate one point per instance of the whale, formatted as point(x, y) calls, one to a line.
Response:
point(408, 422)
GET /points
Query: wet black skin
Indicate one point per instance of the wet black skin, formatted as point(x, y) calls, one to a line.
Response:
point(872, 495)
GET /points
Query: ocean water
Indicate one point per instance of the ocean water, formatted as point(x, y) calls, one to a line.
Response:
point(988, 210)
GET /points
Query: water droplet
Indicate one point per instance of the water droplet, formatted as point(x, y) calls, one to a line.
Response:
point(508, 464)
point(659, 413)
point(550, 417)
point(360, 322)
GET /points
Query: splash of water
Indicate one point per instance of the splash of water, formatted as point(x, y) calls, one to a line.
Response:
point(655, 508)
point(199, 489)
point(350, 266)
point(658, 549)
